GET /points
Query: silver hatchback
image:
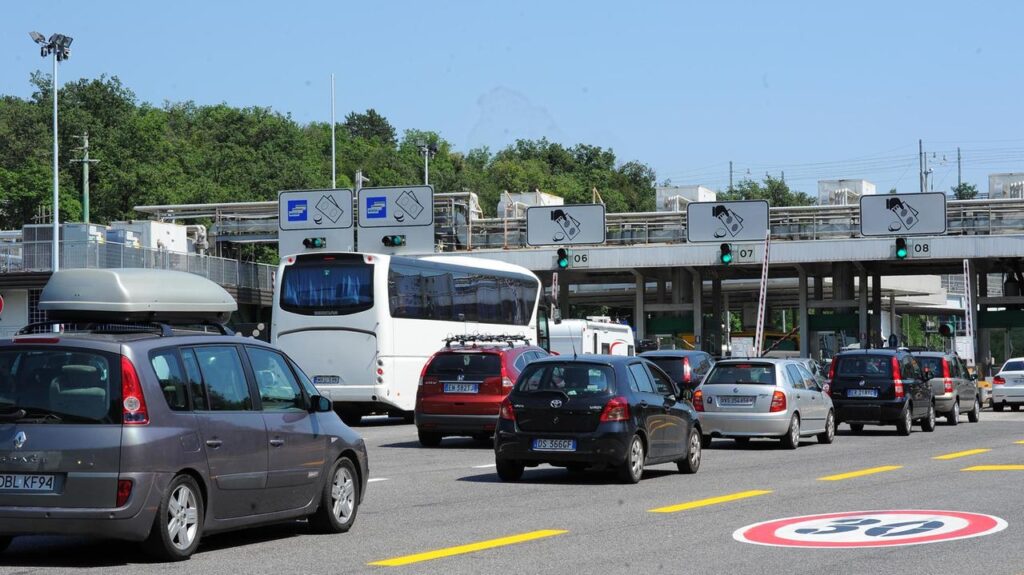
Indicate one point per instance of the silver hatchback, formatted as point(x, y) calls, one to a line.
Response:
point(153, 433)
point(777, 398)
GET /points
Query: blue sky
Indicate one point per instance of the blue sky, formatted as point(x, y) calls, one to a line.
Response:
point(816, 89)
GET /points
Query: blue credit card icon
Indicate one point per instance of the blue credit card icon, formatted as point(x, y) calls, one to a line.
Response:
point(377, 207)
point(298, 210)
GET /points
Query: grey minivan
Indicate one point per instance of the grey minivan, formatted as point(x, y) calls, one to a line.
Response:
point(154, 433)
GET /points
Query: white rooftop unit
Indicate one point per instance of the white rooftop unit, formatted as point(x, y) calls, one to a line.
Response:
point(675, 198)
point(514, 205)
point(843, 192)
point(157, 235)
point(1002, 186)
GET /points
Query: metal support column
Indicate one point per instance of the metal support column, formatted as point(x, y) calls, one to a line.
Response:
point(863, 310)
point(639, 315)
point(698, 307)
point(804, 321)
point(662, 293)
point(563, 297)
point(715, 337)
point(894, 324)
point(876, 311)
point(984, 335)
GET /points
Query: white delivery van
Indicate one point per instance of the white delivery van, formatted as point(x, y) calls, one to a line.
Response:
point(594, 335)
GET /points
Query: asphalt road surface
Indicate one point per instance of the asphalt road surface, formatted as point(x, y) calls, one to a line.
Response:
point(444, 511)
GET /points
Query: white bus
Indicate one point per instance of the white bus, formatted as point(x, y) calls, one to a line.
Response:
point(362, 326)
point(592, 335)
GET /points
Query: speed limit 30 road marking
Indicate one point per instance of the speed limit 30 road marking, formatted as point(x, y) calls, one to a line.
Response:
point(862, 529)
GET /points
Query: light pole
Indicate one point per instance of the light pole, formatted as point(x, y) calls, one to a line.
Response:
point(428, 151)
point(60, 46)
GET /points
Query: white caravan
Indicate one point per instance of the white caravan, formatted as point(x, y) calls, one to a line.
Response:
point(592, 335)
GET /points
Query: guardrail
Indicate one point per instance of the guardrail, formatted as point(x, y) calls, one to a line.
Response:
point(36, 257)
point(963, 217)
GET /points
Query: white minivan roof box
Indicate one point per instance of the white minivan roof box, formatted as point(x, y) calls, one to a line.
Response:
point(134, 295)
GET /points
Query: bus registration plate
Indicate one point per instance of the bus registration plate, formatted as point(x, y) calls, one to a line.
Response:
point(461, 388)
point(326, 379)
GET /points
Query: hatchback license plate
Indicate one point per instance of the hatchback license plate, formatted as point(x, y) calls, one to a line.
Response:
point(554, 445)
point(740, 400)
point(22, 482)
point(462, 388)
point(326, 379)
point(861, 393)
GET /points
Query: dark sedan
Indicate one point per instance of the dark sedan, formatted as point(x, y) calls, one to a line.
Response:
point(599, 411)
point(686, 367)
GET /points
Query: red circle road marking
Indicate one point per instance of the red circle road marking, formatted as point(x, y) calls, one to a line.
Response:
point(765, 533)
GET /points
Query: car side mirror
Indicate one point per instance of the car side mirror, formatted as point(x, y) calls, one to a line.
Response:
point(320, 404)
point(974, 377)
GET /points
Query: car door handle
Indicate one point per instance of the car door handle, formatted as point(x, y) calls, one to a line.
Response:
point(214, 443)
point(277, 442)
point(798, 396)
point(643, 403)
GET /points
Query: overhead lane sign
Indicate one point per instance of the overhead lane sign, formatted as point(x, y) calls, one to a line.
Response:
point(576, 224)
point(315, 219)
point(738, 221)
point(396, 219)
point(903, 214)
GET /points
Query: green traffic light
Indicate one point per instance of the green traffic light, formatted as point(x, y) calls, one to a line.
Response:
point(563, 258)
point(901, 253)
point(725, 256)
point(901, 248)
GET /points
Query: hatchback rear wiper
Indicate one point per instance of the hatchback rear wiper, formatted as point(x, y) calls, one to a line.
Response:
point(13, 415)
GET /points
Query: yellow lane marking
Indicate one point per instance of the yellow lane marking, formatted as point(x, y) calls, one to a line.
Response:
point(709, 501)
point(860, 473)
point(1021, 442)
point(959, 454)
point(470, 548)
point(994, 468)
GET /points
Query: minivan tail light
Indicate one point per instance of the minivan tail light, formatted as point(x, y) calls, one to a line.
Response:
point(947, 382)
point(778, 402)
point(507, 412)
point(124, 491)
point(897, 378)
point(698, 400)
point(133, 402)
point(617, 409)
point(832, 370)
point(687, 371)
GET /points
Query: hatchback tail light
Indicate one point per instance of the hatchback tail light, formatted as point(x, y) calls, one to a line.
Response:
point(507, 412)
point(999, 380)
point(617, 409)
point(133, 402)
point(124, 491)
point(897, 379)
point(947, 382)
point(698, 400)
point(778, 402)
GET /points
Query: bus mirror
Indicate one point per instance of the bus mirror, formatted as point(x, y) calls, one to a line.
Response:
point(556, 315)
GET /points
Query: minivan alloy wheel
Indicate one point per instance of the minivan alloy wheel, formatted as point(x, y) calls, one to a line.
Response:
point(954, 416)
point(182, 517)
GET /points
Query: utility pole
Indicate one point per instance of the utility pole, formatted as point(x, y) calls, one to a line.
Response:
point(85, 161)
point(334, 156)
point(959, 181)
point(730, 175)
point(920, 162)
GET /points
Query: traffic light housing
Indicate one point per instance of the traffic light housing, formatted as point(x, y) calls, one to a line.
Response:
point(315, 243)
point(946, 329)
point(393, 241)
point(725, 255)
point(562, 258)
point(901, 249)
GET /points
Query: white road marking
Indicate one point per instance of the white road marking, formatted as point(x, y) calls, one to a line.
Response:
point(376, 479)
point(485, 466)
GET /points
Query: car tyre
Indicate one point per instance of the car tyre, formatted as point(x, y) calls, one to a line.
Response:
point(482, 438)
point(998, 406)
point(829, 434)
point(633, 468)
point(1015, 407)
point(741, 440)
point(904, 426)
point(974, 415)
point(429, 438)
point(575, 468)
point(509, 470)
point(928, 423)
point(953, 418)
point(792, 438)
point(857, 427)
point(339, 501)
point(5, 542)
point(705, 441)
point(691, 463)
point(178, 525)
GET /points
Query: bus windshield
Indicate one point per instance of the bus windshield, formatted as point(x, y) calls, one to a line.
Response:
point(327, 285)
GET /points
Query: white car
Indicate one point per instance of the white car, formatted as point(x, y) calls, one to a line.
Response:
point(1008, 385)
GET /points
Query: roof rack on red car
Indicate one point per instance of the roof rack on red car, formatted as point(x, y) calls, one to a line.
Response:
point(476, 339)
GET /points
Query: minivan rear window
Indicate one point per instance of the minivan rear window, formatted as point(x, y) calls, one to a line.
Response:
point(61, 385)
point(1013, 366)
point(742, 373)
point(480, 364)
point(866, 366)
point(932, 364)
point(576, 379)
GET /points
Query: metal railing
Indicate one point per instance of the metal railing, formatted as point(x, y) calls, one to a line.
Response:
point(36, 257)
point(964, 217)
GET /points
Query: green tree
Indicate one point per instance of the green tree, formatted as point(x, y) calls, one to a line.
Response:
point(370, 126)
point(964, 191)
point(774, 190)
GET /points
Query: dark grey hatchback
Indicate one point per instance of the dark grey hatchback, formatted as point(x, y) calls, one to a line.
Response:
point(154, 433)
point(595, 411)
